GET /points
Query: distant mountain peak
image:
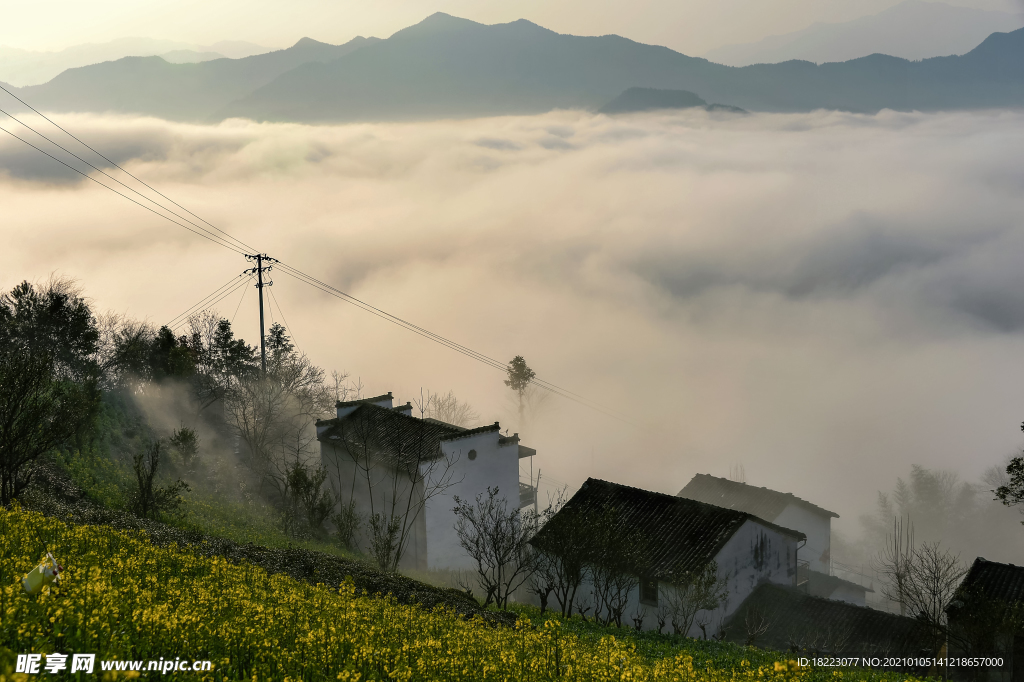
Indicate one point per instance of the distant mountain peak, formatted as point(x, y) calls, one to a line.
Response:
point(308, 43)
point(438, 21)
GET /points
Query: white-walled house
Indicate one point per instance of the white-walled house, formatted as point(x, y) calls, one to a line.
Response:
point(787, 510)
point(383, 457)
point(680, 534)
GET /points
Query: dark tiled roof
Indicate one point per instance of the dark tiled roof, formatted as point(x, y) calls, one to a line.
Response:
point(799, 621)
point(365, 401)
point(679, 534)
point(393, 434)
point(463, 433)
point(399, 438)
point(1000, 582)
point(762, 502)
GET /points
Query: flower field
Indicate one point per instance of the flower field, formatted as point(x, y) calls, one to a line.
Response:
point(121, 597)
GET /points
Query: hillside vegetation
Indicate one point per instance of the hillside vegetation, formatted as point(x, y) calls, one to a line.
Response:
point(124, 598)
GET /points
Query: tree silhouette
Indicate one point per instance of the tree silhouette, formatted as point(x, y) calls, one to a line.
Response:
point(519, 378)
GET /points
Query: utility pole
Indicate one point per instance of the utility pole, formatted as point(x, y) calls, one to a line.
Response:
point(260, 258)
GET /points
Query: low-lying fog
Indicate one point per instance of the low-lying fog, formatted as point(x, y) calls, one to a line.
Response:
point(825, 299)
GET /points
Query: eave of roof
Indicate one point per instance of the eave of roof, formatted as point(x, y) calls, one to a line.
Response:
point(760, 501)
point(465, 433)
point(365, 401)
point(436, 432)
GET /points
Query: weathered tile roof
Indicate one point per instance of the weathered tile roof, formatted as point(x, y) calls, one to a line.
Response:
point(679, 534)
point(1000, 582)
point(762, 502)
point(799, 622)
point(392, 434)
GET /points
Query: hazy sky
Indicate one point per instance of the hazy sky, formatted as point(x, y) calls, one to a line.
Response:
point(824, 298)
point(691, 27)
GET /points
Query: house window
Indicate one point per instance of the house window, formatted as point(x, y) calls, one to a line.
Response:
point(649, 592)
point(472, 455)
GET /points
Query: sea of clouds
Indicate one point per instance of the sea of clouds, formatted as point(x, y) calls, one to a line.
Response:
point(823, 298)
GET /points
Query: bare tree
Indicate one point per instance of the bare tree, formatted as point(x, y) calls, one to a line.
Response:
point(895, 564)
point(757, 621)
point(638, 619)
point(497, 539)
point(538, 583)
point(343, 390)
point(401, 466)
point(691, 591)
point(921, 579)
point(446, 408)
point(663, 614)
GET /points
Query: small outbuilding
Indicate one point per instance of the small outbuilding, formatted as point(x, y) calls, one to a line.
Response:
point(786, 509)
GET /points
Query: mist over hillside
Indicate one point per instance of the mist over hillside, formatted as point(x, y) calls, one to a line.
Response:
point(826, 319)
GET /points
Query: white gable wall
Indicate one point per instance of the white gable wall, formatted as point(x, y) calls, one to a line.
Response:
point(818, 529)
point(494, 465)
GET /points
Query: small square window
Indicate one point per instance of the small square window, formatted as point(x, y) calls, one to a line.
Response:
point(649, 592)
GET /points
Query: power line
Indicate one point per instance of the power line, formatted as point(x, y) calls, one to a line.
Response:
point(89, 177)
point(287, 269)
point(231, 281)
point(69, 134)
point(100, 170)
point(245, 290)
point(211, 304)
point(281, 311)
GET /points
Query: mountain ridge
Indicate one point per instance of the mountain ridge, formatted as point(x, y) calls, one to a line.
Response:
point(913, 30)
point(448, 67)
point(191, 92)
